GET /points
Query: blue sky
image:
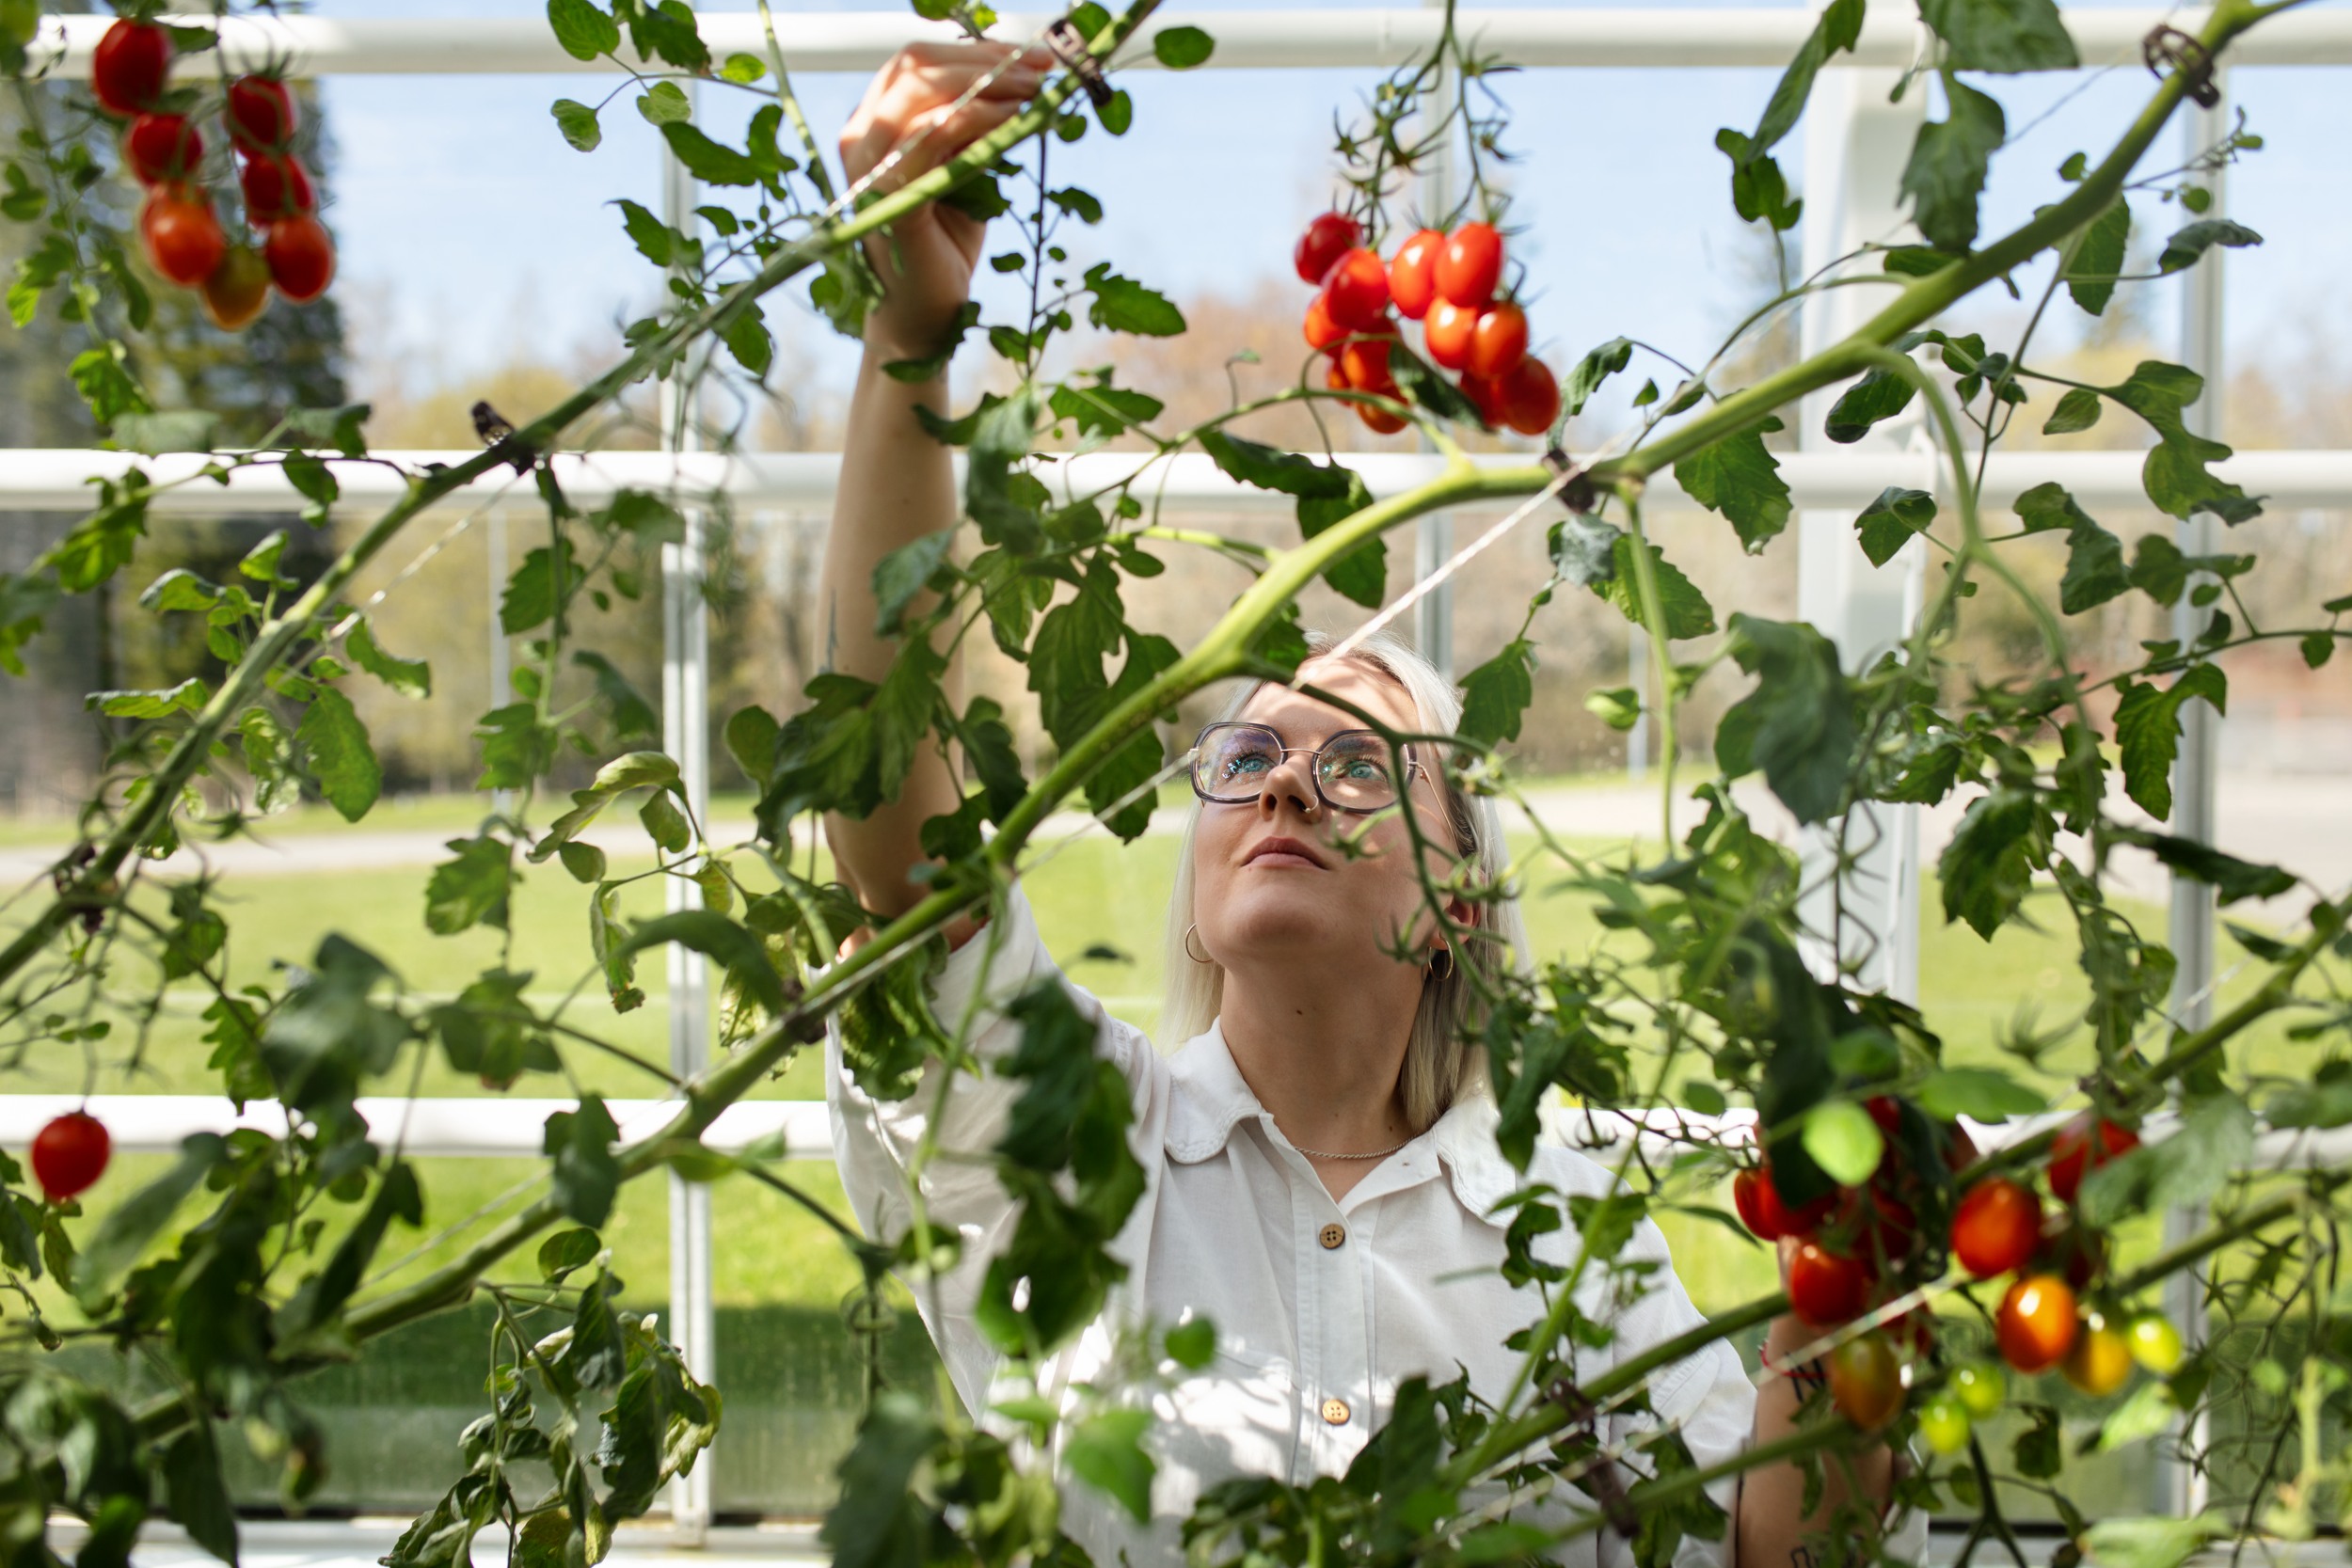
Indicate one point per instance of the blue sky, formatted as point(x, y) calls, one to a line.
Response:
point(464, 218)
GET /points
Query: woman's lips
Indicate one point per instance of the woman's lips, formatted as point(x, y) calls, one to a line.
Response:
point(1283, 853)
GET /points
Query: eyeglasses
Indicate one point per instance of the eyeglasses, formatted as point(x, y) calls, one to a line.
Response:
point(1353, 771)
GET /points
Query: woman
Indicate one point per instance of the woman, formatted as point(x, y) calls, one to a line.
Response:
point(1320, 1152)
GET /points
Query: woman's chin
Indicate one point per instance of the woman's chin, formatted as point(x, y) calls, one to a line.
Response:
point(1289, 926)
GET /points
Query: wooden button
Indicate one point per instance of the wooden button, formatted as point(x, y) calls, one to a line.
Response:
point(1335, 1412)
point(1331, 1236)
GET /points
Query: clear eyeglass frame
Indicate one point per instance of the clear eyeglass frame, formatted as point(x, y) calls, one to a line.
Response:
point(1346, 743)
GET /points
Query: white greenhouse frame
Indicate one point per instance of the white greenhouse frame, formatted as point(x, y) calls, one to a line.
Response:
point(1846, 148)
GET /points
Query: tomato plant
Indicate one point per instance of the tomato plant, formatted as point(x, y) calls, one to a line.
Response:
point(1710, 983)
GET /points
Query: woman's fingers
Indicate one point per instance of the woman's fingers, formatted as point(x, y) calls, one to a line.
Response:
point(923, 78)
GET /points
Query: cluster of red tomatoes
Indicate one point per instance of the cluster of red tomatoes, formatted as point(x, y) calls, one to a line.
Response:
point(1849, 1246)
point(179, 229)
point(70, 1155)
point(1448, 283)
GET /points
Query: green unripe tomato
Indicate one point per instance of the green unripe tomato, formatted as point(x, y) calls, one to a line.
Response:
point(1982, 1388)
point(1944, 1423)
point(2155, 1343)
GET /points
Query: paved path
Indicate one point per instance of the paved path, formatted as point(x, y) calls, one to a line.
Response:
point(2303, 822)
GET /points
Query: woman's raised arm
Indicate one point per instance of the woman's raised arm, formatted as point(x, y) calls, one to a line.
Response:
point(896, 483)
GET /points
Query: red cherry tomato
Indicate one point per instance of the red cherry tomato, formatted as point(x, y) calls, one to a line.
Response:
point(238, 291)
point(1865, 1382)
point(70, 1155)
point(275, 187)
point(1996, 1227)
point(1531, 398)
point(1497, 342)
point(2036, 1323)
point(1357, 290)
point(1747, 1196)
point(1447, 334)
point(161, 147)
point(2076, 1252)
point(1365, 359)
point(1824, 1289)
point(1328, 237)
point(183, 237)
point(2071, 1152)
point(1320, 331)
point(260, 113)
point(1470, 265)
point(1485, 396)
point(1792, 1221)
point(1959, 1150)
point(1381, 420)
point(1413, 272)
point(129, 67)
point(301, 258)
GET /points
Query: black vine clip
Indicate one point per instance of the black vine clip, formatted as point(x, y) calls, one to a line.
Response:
point(1576, 494)
point(498, 432)
point(1070, 47)
point(2169, 46)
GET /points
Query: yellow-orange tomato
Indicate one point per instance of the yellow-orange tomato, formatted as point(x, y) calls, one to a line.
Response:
point(2101, 1360)
point(2036, 1323)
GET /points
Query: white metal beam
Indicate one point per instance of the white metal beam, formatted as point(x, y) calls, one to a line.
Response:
point(1370, 37)
point(60, 479)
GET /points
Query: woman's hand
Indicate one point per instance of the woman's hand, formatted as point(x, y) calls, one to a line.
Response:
point(912, 108)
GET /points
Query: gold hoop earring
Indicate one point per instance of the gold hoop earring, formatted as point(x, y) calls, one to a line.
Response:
point(1442, 956)
point(1202, 957)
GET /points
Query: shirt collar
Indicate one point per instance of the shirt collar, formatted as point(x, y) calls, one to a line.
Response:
point(1210, 1098)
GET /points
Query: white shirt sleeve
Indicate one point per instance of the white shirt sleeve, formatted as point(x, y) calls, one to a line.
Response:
point(874, 1140)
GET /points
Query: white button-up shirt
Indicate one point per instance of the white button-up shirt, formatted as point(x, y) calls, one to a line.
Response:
point(1311, 1339)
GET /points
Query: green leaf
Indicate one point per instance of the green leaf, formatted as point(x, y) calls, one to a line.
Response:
point(472, 888)
point(2317, 648)
point(1181, 49)
point(1738, 477)
point(2002, 35)
point(198, 1496)
point(1123, 305)
point(2160, 1542)
point(2176, 474)
point(582, 28)
point(2231, 878)
point(323, 1295)
point(2092, 275)
point(633, 718)
point(332, 748)
point(655, 239)
point(188, 696)
point(1617, 706)
point(585, 861)
point(2078, 409)
point(123, 1235)
point(538, 589)
point(2150, 1412)
point(410, 677)
point(736, 948)
point(1192, 1343)
point(2189, 245)
point(665, 824)
point(578, 123)
point(2214, 1140)
point(1843, 1141)
point(2094, 565)
point(1798, 724)
point(1496, 695)
point(586, 1174)
point(1879, 395)
point(750, 740)
point(179, 589)
point(1687, 613)
point(1362, 574)
point(565, 1251)
point(905, 572)
point(187, 430)
point(709, 161)
point(1988, 865)
point(1983, 1094)
point(742, 70)
point(1835, 32)
point(338, 429)
point(1428, 387)
point(1945, 173)
point(665, 104)
point(1591, 371)
point(1892, 521)
point(1105, 1450)
point(2148, 731)
point(879, 1519)
point(515, 747)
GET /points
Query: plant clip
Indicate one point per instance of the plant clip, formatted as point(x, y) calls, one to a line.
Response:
point(498, 432)
point(1070, 47)
point(2169, 46)
point(1578, 494)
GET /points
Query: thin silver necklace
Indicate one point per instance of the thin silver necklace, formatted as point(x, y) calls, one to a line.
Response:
point(1375, 1154)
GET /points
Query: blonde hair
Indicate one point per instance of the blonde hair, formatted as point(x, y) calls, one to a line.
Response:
point(1441, 1065)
